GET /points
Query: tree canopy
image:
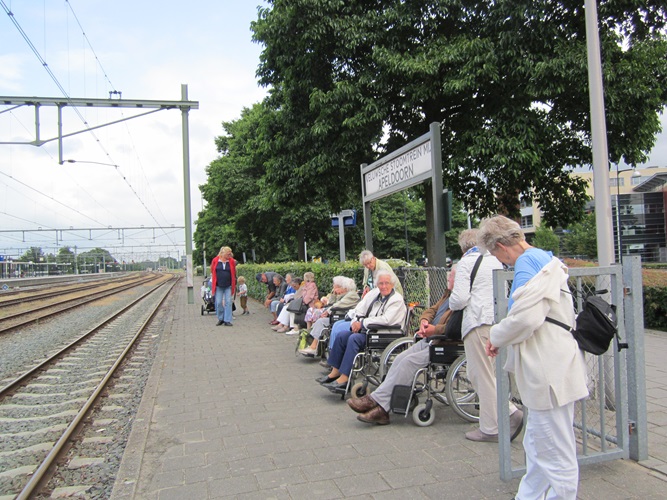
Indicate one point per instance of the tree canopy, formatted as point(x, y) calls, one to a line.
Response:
point(352, 80)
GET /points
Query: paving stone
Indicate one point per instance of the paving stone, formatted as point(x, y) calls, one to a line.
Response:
point(237, 415)
point(234, 485)
point(362, 484)
point(315, 489)
point(280, 478)
point(198, 490)
point(403, 477)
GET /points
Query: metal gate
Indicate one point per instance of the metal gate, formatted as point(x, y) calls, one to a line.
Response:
point(603, 421)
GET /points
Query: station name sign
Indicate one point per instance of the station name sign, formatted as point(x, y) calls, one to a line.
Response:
point(404, 168)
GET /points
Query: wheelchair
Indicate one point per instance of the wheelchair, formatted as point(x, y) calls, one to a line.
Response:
point(370, 364)
point(443, 379)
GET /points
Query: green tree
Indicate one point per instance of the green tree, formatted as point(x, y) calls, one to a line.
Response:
point(546, 239)
point(459, 223)
point(66, 256)
point(241, 212)
point(507, 80)
point(580, 240)
point(96, 260)
point(33, 254)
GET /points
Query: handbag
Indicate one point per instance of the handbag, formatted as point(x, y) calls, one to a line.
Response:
point(595, 326)
point(455, 321)
point(295, 305)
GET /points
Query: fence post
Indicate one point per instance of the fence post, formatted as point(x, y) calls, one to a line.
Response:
point(500, 298)
point(633, 306)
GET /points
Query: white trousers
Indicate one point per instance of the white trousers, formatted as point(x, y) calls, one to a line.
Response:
point(482, 374)
point(286, 318)
point(552, 471)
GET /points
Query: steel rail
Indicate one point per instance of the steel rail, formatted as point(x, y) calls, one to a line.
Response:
point(39, 475)
point(54, 293)
point(81, 301)
point(24, 376)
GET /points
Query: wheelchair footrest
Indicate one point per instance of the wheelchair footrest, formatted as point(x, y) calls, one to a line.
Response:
point(400, 399)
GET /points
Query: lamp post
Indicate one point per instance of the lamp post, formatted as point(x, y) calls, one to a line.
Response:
point(619, 230)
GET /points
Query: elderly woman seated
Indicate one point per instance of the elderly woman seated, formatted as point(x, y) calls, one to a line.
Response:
point(382, 306)
point(289, 293)
point(344, 296)
point(281, 288)
point(309, 294)
point(284, 314)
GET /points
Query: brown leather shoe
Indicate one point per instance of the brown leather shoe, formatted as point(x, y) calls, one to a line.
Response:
point(362, 404)
point(375, 416)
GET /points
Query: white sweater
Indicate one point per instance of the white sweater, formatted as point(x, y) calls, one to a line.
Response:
point(381, 314)
point(479, 302)
point(549, 367)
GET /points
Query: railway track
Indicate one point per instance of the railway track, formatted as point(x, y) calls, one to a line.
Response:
point(43, 410)
point(43, 292)
point(63, 302)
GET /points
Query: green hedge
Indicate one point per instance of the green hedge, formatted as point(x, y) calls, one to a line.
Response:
point(324, 274)
point(655, 308)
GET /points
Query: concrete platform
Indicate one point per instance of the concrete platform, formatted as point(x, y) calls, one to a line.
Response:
point(231, 412)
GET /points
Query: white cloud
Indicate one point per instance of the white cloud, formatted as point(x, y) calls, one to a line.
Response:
point(146, 54)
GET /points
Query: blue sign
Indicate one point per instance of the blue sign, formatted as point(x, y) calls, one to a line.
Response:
point(348, 221)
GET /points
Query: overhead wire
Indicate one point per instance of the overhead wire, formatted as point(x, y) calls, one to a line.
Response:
point(67, 96)
point(115, 90)
point(51, 198)
point(80, 188)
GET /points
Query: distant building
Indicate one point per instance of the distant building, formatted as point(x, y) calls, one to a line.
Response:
point(639, 196)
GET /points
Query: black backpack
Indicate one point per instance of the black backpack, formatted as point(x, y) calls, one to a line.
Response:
point(596, 325)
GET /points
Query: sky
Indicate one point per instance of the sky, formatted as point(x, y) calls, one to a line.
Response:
point(127, 175)
point(130, 174)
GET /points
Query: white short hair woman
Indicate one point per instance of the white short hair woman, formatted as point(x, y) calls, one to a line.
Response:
point(344, 296)
point(549, 368)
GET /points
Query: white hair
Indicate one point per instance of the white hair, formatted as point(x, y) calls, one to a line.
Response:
point(349, 284)
point(365, 257)
point(383, 272)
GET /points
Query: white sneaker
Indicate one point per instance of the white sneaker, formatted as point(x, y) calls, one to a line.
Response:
point(292, 332)
point(308, 351)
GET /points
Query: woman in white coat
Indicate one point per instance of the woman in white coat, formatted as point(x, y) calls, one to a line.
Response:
point(549, 368)
point(477, 302)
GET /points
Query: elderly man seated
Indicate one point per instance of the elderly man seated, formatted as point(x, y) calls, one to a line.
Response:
point(374, 408)
point(267, 278)
point(382, 306)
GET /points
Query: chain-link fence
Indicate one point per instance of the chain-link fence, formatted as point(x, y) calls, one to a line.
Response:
point(422, 286)
point(601, 420)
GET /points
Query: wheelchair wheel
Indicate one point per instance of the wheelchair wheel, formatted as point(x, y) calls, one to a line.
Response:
point(461, 395)
point(358, 390)
point(423, 417)
point(202, 310)
point(391, 351)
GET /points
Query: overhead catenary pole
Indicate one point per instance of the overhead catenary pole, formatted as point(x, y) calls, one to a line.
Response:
point(603, 219)
point(186, 196)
